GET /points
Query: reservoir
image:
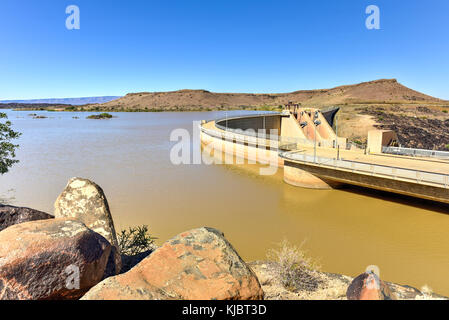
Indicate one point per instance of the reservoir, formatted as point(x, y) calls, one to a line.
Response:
point(346, 230)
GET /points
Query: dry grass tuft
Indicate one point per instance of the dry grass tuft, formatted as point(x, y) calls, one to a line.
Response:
point(427, 294)
point(296, 271)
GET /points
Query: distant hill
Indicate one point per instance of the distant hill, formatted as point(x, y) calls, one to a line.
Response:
point(33, 106)
point(63, 101)
point(378, 91)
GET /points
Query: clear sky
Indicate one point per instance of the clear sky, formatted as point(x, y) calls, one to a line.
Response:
point(217, 45)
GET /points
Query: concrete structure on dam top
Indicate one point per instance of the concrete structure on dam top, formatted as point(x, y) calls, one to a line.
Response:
point(313, 156)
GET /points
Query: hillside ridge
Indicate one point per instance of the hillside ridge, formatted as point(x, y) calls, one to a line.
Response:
point(377, 91)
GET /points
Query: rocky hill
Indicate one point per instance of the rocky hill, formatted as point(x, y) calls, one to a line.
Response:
point(379, 91)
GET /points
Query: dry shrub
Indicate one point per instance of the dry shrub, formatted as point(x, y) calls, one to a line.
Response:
point(295, 270)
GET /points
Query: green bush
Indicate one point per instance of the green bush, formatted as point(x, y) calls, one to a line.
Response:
point(103, 115)
point(135, 240)
point(7, 148)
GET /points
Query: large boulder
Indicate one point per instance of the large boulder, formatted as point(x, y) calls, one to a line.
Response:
point(129, 262)
point(84, 200)
point(50, 259)
point(368, 286)
point(196, 265)
point(10, 215)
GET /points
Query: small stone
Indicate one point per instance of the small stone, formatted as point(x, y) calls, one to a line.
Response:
point(368, 286)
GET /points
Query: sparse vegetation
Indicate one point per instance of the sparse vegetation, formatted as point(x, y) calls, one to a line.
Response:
point(294, 268)
point(269, 108)
point(136, 240)
point(103, 115)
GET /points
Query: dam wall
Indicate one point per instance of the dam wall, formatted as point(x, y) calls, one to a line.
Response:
point(419, 184)
point(228, 138)
point(260, 123)
point(301, 178)
point(322, 165)
point(309, 129)
point(291, 128)
point(226, 146)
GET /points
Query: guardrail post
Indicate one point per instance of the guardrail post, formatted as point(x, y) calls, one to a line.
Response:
point(418, 176)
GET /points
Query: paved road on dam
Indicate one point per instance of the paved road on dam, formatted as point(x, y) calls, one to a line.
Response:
point(418, 164)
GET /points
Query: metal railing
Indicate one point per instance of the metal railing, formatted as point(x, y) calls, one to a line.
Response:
point(243, 138)
point(262, 138)
point(283, 142)
point(416, 152)
point(248, 115)
point(396, 173)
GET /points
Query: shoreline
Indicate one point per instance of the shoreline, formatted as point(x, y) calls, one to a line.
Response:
point(198, 258)
point(329, 286)
point(93, 108)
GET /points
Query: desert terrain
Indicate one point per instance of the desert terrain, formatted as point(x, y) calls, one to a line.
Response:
point(385, 91)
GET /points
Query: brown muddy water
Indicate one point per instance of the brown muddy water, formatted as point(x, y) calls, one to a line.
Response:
point(128, 156)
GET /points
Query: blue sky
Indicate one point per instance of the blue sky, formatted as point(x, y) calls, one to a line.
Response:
point(223, 46)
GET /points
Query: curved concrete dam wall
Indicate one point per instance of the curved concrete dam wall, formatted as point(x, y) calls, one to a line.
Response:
point(221, 136)
point(236, 151)
point(259, 123)
point(325, 167)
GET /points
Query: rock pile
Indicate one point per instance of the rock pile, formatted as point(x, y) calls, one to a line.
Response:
point(44, 257)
